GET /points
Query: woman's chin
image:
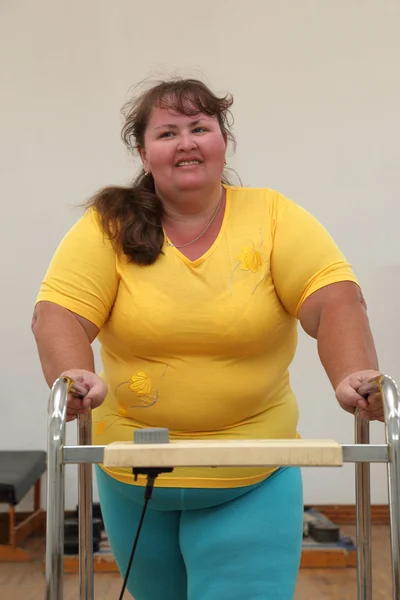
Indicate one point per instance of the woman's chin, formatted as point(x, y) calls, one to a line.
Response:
point(191, 183)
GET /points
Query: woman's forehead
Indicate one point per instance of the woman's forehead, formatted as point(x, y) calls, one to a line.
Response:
point(166, 115)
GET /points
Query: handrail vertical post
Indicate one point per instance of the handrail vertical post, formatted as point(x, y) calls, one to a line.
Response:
point(363, 515)
point(55, 489)
point(86, 570)
point(391, 403)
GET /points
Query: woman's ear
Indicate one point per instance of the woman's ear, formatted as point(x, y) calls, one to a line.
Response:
point(142, 154)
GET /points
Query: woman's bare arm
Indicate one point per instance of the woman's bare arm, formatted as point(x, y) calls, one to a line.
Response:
point(63, 340)
point(336, 317)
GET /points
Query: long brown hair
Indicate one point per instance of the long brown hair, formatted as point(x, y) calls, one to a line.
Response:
point(131, 216)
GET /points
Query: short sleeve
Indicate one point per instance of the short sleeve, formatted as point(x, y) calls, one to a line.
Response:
point(82, 275)
point(304, 256)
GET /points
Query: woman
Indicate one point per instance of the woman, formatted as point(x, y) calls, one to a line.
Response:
point(194, 289)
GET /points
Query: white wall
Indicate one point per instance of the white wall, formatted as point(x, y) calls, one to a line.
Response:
point(317, 96)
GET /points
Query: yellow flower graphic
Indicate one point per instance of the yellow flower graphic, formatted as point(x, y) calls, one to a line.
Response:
point(250, 259)
point(141, 384)
point(145, 389)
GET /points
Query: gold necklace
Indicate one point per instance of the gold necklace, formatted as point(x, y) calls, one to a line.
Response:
point(202, 233)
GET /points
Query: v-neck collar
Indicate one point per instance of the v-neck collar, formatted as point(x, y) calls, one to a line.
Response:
point(203, 257)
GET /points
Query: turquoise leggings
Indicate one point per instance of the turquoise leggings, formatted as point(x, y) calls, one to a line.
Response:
point(208, 544)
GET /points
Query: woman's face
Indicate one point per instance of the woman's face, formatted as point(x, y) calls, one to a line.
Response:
point(183, 153)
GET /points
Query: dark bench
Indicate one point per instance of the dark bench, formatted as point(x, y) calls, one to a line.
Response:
point(20, 470)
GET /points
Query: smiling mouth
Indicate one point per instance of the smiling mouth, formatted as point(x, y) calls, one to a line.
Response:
point(188, 163)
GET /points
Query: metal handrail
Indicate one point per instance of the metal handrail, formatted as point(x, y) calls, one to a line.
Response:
point(363, 515)
point(85, 516)
point(55, 491)
point(391, 406)
point(59, 454)
point(56, 495)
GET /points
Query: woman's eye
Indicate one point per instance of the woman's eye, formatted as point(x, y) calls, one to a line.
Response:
point(199, 130)
point(166, 134)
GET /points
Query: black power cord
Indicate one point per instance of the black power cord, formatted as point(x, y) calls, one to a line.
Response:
point(152, 474)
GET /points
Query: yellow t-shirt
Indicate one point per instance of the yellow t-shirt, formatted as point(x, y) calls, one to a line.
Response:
point(201, 347)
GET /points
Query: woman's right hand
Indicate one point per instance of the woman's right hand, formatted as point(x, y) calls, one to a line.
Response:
point(88, 391)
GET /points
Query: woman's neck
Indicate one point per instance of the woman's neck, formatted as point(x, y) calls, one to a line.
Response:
point(191, 206)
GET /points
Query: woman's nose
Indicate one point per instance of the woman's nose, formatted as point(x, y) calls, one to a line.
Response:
point(186, 142)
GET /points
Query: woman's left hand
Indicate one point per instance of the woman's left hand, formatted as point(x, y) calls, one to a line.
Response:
point(369, 403)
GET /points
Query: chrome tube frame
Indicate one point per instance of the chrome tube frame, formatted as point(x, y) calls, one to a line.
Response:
point(363, 515)
point(86, 455)
point(55, 490)
point(56, 498)
point(391, 404)
point(85, 516)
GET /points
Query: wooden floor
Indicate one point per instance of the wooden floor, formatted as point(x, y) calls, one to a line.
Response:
point(25, 581)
